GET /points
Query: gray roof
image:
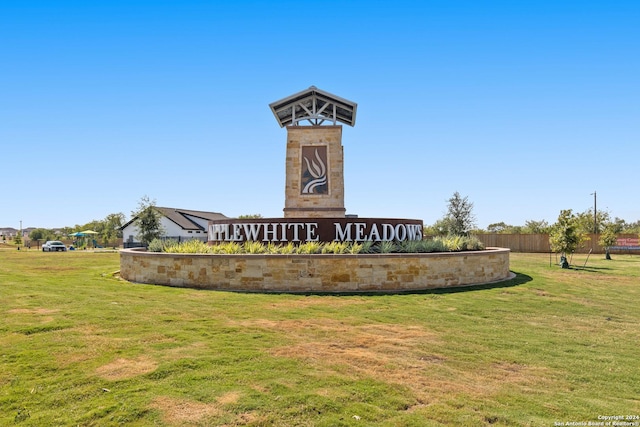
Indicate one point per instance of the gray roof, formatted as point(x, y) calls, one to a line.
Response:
point(315, 106)
point(179, 216)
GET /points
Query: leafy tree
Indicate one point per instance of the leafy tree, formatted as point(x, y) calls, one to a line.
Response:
point(94, 225)
point(459, 217)
point(107, 229)
point(609, 237)
point(18, 239)
point(497, 227)
point(502, 228)
point(566, 235)
point(439, 228)
point(250, 216)
point(66, 231)
point(42, 234)
point(37, 234)
point(586, 224)
point(536, 227)
point(112, 224)
point(147, 220)
point(631, 227)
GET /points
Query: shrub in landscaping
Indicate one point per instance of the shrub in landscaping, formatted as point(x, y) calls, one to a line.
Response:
point(252, 247)
point(335, 248)
point(310, 248)
point(159, 245)
point(437, 244)
point(188, 247)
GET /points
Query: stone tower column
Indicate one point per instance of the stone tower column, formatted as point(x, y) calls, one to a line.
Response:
point(314, 172)
point(315, 165)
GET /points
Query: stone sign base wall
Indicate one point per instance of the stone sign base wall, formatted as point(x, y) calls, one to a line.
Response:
point(316, 273)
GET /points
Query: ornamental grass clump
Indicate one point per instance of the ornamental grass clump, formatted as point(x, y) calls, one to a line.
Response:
point(289, 248)
point(228, 248)
point(193, 246)
point(386, 247)
point(410, 246)
point(253, 247)
point(273, 248)
point(432, 245)
point(310, 248)
point(335, 248)
point(455, 243)
point(355, 248)
point(437, 244)
point(367, 247)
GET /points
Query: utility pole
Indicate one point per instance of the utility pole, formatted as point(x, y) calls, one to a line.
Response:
point(595, 213)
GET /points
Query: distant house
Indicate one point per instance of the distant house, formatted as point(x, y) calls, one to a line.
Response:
point(8, 232)
point(179, 224)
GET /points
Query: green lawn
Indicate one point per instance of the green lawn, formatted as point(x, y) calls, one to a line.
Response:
point(80, 347)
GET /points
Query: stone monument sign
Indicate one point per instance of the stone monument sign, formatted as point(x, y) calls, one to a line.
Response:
point(314, 207)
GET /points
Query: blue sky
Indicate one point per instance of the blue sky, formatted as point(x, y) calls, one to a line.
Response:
point(524, 107)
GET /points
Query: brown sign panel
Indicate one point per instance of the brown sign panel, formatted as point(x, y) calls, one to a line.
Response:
point(314, 173)
point(300, 230)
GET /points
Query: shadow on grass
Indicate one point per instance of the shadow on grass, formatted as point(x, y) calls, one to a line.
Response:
point(517, 280)
point(589, 268)
point(584, 266)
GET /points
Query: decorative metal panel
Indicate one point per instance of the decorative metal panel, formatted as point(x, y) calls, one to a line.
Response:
point(314, 177)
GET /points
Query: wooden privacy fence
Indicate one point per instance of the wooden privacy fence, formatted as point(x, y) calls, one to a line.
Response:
point(517, 242)
point(540, 243)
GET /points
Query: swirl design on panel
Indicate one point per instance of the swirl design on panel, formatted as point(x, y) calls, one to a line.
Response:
point(318, 170)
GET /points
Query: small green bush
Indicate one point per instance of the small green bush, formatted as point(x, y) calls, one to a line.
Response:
point(155, 245)
point(159, 245)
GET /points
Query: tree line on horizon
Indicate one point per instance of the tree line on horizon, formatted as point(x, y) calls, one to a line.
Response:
point(458, 220)
point(566, 235)
point(107, 229)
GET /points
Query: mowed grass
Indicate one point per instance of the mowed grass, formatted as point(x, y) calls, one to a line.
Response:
point(80, 347)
